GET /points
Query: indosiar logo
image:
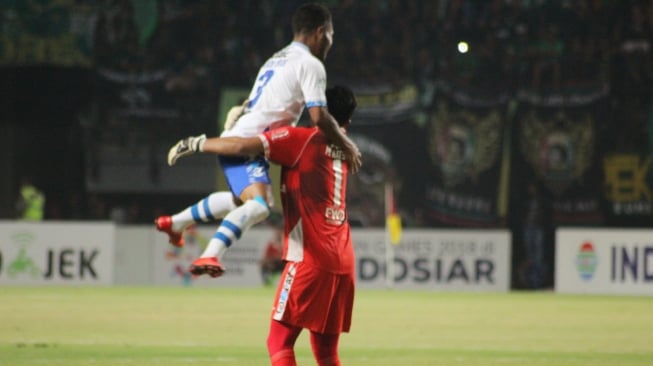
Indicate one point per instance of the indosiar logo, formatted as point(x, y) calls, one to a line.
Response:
point(586, 261)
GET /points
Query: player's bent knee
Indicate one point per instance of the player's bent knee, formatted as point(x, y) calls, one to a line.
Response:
point(261, 210)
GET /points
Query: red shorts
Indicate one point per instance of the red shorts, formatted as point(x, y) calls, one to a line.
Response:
point(314, 299)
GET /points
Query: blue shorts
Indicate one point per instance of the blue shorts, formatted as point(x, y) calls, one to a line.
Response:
point(242, 172)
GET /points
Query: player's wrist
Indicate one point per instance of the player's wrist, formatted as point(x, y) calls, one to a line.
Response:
point(198, 143)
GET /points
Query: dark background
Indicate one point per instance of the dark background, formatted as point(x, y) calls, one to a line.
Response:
point(80, 79)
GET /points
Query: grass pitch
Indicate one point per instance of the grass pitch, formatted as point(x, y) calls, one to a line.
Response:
point(198, 326)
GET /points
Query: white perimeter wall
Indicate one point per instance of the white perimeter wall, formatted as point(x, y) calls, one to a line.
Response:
point(100, 253)
point(604, 261)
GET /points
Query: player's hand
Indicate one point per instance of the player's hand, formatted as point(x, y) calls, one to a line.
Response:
point(185, 147)
point(353, 156)
point(234, 113)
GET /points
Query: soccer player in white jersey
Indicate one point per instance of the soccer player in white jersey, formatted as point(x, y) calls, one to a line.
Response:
point(294, 78)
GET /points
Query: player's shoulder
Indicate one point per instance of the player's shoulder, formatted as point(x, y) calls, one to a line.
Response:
point(309, 61)
point(311, 130)
point(305, 132)
point(313, 61)
point(287, 132)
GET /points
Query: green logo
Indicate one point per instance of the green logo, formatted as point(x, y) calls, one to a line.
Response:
point(23, 263)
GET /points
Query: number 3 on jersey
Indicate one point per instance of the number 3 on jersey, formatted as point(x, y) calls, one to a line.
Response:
point(261, 82)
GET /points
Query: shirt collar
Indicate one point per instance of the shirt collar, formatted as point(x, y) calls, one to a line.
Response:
point(300, 45)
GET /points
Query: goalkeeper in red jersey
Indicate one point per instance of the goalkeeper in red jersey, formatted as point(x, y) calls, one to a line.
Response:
point(316, 289)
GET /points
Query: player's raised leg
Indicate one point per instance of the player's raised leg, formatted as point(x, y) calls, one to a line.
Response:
point(230, 230)
point(250, 179)
point(213, 207)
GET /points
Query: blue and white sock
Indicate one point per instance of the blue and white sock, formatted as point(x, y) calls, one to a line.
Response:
point(214, 206)
point(235, 224)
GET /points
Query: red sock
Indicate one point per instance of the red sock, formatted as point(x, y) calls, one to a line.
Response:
point(325, 349)
point(284, 357)
point(281, 341)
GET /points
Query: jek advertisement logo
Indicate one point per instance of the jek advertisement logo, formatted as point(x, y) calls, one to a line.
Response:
point(586, 261)
point(56, 253)
point(27, 259)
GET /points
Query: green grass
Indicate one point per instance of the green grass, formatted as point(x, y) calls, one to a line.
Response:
point(192, 326)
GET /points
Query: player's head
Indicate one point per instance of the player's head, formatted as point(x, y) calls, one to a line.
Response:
point(341, 103)
point(312, 25)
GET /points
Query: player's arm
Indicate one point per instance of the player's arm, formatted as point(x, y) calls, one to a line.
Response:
point(231, 146)
point(313, 81)
point(321, 117)
point(282, 146)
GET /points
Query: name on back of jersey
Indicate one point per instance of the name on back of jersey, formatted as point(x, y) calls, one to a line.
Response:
point(334, 152)
point(274, 63)
point(334, 215)
point(277, 60)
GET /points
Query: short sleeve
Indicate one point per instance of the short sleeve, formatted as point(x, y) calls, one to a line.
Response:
point(285, 145)
point(313, 83)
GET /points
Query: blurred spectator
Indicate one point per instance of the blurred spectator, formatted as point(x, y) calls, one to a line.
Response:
point(118, 214)
point(96, 208)
point(31, 201)
point(532, 271)
point(633, 62)
point(271, 263)
point(181, 77)
point(204, 46)
point(116, 34)
point(547, 51)
point(74, 208)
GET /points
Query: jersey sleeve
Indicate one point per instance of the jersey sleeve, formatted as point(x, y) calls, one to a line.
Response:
point(313, 83)
point(285, 145)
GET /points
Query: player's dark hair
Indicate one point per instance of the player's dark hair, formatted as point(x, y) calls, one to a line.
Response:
point(309, 17)
point(341, 103)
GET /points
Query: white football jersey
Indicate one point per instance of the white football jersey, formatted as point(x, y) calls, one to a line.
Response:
point(289, 80)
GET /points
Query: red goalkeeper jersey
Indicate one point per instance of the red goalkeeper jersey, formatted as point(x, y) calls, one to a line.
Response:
point(313, 194)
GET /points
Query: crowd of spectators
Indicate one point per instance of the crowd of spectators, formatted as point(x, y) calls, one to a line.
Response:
point(540, 45)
